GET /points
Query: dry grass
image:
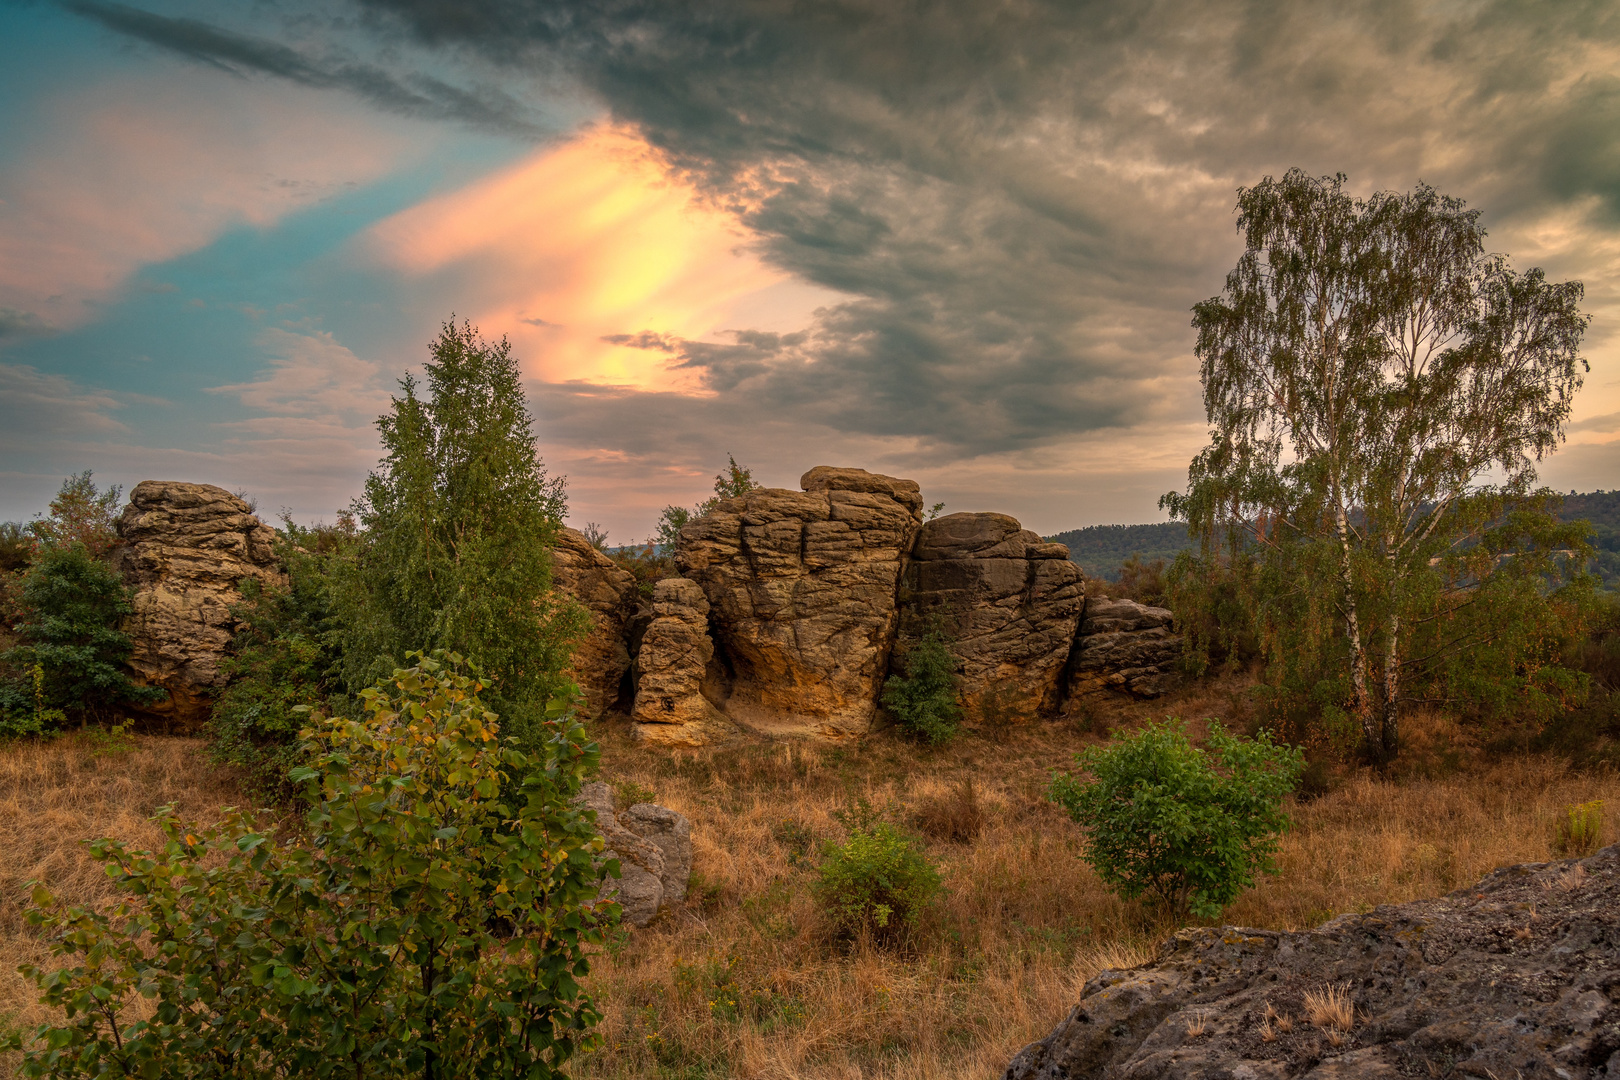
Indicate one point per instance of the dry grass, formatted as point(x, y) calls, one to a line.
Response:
point(743, 979)
point(53, 796)
point(1330, 1007)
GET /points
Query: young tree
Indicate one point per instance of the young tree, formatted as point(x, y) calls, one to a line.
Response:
point(80, 514)
point(459, 520)
point(1365, 367)
point(735, 481)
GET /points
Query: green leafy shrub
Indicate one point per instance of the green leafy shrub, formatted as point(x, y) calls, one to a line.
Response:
point(923, 700)
point(876, 884)
point(437, 923)
point(70, 660)
point(282, 661)
point(1580, 829)
point(1187, 826)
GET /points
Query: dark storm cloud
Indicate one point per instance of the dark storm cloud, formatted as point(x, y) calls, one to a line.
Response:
point(1026, 198)
point(412, 94)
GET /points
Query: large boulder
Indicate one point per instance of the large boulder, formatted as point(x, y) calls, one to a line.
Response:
point(1007, 602)
point(1518, 976)
point(671, 665)
point(1124, 646)
point(608, 592)
point(654, 847)
point(802, 592)
point(185, 549)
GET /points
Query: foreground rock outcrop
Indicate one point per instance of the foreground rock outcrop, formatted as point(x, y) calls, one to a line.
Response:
point(654, 847)
point(802, 593)
point(608, 592)
point(185, 549)
point(673, 660)
point(1124, 645)
point(1009, 604)
point(1518, 976)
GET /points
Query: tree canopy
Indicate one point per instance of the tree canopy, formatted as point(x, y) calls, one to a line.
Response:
point(1367, 369)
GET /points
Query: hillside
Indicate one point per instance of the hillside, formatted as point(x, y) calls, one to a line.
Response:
point(1099, 549)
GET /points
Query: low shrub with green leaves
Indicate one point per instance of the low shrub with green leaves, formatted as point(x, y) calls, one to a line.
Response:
point(1580, 829)
point(1187, 826)
point(923, 700)
point(877, 883)
point(437, 923)
point(70, 660)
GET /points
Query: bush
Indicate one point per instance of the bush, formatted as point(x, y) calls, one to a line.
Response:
point(876, 885)
point(924, 699)
point(72, 652)
point(1580, 830)
point(437, 924)
point(282, 660)
point(1186, 826)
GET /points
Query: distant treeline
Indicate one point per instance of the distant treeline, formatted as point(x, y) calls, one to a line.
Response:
point(1100, 549)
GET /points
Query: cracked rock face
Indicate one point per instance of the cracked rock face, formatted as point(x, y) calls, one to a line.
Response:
point(185, 548)
point(1124, 646)
point(1518, 976)
point(609, 593)
point(654, 847)
point(1009, 605)
point(802, 591)
point(671, 665)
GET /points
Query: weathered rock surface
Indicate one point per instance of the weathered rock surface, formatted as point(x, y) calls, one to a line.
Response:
point(185, 548)
point(1516, 977)
point(608, 591)
point(674, 658)
point(1008, 602)
point(1124, 645)
point(802, 587)
point(654, 848)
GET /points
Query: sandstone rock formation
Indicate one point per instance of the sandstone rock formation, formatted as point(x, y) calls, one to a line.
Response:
point(654, 848)
point(608, 591)
point(1126, 646)
point(802, 587)
point(185, 547)
point(1009, 604)
point(1518, 976)
point(671, 664)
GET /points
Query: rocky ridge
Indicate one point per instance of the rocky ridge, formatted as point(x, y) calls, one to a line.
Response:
point(1518, 976)
point(186, 549)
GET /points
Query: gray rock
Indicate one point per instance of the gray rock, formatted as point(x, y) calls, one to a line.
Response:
point(1124, 645)
point(639, 839)
point(1517, 976)
point(1009, 604)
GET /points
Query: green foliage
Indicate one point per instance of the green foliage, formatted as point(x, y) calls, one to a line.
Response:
point(71, 652)
point(458, 522)
point(1366, 365)
point(1580, 829)
point(16, 547)
point(877, 883)
point(283, 660)
point(1187, 826)
point(437, 924)
point(1100, 550)
point(923, 700)
point(80, 514)
point(735, 481)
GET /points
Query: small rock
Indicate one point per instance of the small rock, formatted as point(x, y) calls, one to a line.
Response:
point(639, 839)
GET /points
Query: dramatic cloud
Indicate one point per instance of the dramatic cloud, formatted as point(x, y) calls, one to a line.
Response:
point(955, 239)
point(113, 183)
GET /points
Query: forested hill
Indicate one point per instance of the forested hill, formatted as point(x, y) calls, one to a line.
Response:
point(1099, 549)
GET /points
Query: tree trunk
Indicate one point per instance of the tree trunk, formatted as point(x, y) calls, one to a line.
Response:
point(1360, 701)
point(1390, 740)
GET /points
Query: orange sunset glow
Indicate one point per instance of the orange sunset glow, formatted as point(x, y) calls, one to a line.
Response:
point(590, 238)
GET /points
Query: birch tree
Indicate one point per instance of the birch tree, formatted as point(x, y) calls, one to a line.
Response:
point(1366, 370)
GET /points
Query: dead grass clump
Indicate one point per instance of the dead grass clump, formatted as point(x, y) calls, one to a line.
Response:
point(1330, 1007)
point(956, 816)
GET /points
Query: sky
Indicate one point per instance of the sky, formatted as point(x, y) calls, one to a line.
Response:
point(951, 240)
